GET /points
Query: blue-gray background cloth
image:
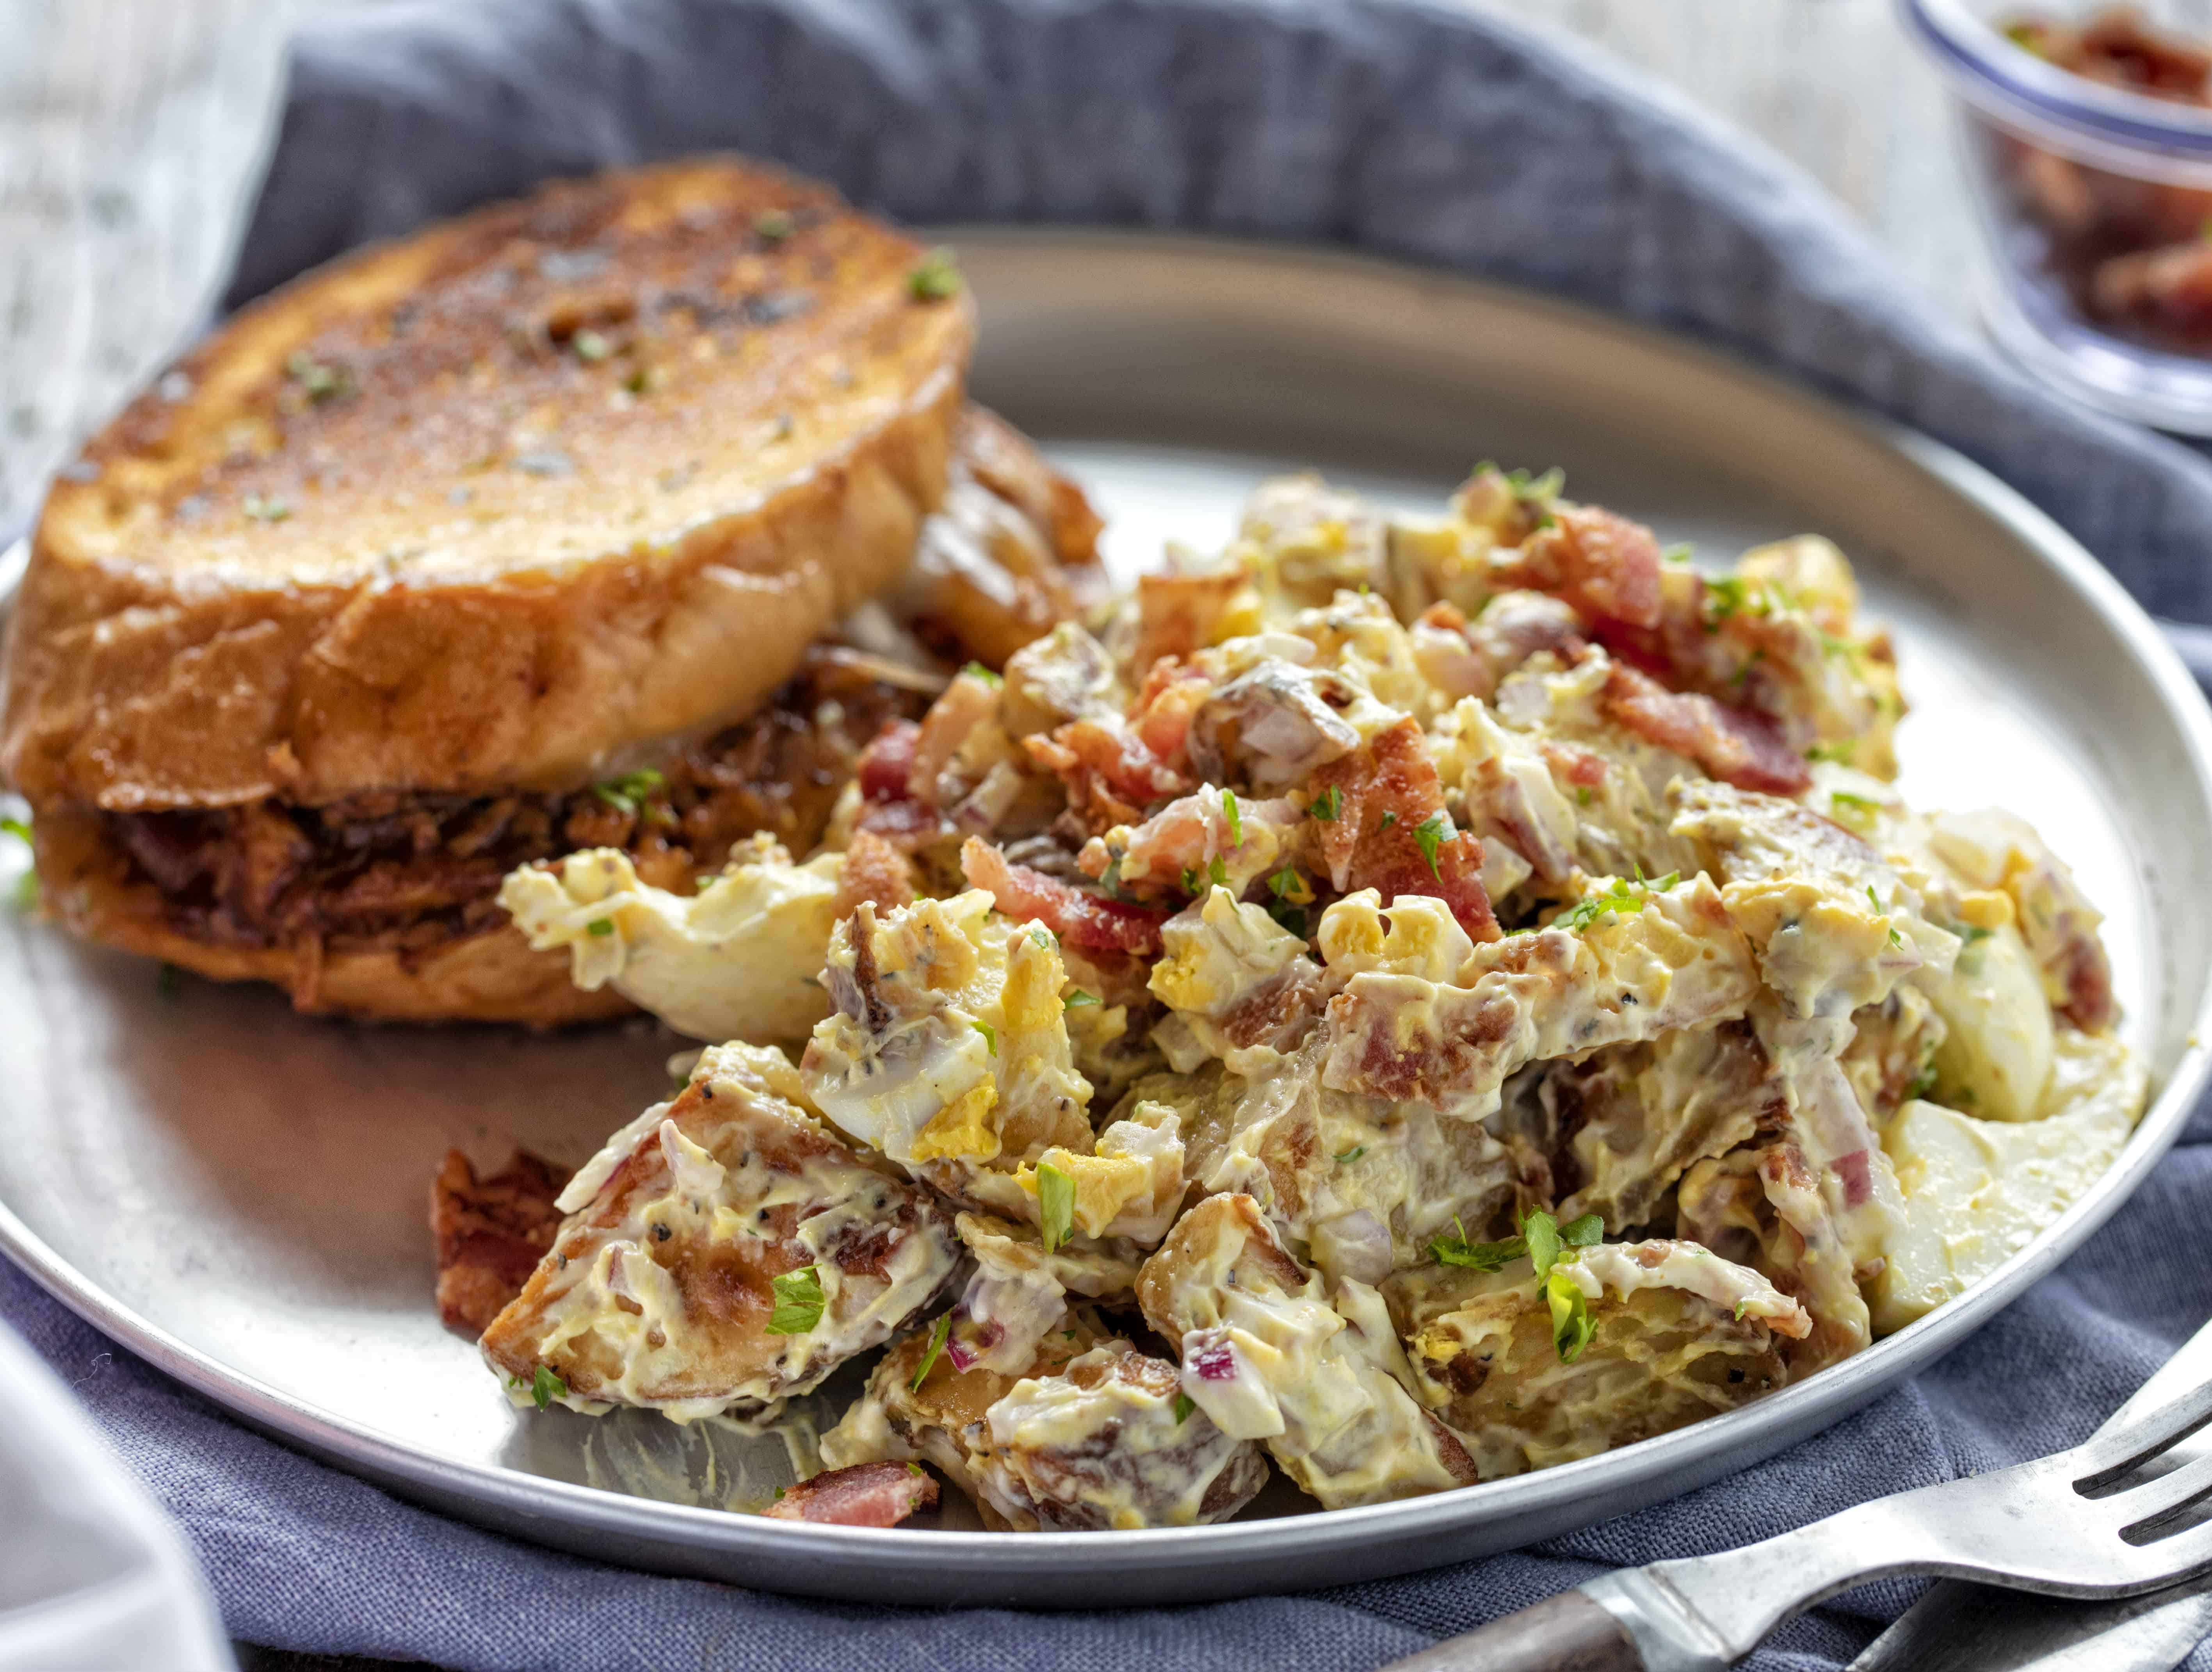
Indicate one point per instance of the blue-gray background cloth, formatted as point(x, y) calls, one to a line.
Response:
point(1411, 132)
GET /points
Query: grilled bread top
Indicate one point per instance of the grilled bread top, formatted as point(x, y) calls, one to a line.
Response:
point(497, 504)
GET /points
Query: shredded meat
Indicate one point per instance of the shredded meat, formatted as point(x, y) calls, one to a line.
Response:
point(413, 871)
point(863, 1495)
point(491, 1234)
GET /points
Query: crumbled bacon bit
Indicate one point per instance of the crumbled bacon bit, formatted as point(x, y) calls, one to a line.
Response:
point(887, 761)
point(1179, 613)
point(1388, 789)
point(1087, 922)
point(873, 870)
point(1735, 744)
point(2088, 976)
point(1577, 765)
point(1604, 565)
point(491, 1234)
point(1173, 692)
point(1858, 1180)
point(1110, 774)
point(863, 1495)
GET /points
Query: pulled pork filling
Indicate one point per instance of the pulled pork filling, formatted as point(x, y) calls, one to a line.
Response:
point(411, 871)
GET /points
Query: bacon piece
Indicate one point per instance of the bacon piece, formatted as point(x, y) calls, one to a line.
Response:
point(887, 761)
point(491, 1234)
point(1577, 765)
point(1388, 790)
point(873, 870)
point(1735, 744)
point(1604, 565)
point(862, 1495)
point(1173, 693)
point(1110, 775)
point(889, 809)
point(1179, 613)
point(1088, 922)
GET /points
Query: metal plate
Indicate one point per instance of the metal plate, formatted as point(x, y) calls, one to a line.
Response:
point(238, 1194)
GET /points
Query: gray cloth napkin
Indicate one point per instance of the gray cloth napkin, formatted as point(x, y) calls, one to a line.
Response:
point(1406, 131)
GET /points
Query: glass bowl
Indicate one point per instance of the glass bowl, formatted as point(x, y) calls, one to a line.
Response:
point(2097, 205)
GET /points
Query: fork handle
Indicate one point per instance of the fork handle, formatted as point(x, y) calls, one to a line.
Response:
point(1568, 1633)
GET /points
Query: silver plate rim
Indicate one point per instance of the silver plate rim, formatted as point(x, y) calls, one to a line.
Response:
point(524, 1503)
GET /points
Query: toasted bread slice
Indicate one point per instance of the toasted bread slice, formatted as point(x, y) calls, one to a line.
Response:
point(383, 906)
point(493, 506)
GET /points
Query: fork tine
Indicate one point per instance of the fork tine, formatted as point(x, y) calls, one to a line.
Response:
point(2170, 1560)
point(2108, 1455)
point(2154, 1501)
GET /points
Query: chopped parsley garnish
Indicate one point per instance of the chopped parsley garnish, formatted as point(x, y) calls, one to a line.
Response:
point(169, 981)
point(26, 885)
point(1110, 879)
point(319, 381)
point(772, 226)
point(1537, 487)
point(1345, 1157)
point(939, 1333)
point(1895, 939)
point(1043, 938)
point(978, 671)
point(1326, 806)
point(1236, 819)
point(1078, 997)
point(1583, 797)
point(1389, 819)
point(1922, 1082)
point(1857, 812)
point(1543, 1239)
point(589, 345)
point(1970, 933)
point(1184, 1405)
point(626, 793)
point(1588, 1231)
point(1839, 752)
point(1619, 896)
point(266, 510)
point(600, 926)
point(546, 1386)
point(1571, 1324)
point(1290, 918)
point(1475, 1257)
point(1194, 881)
point(798, 1302)
point(936, 278)
point(990, 1034)
point(1055, 1205)
point(1679, 554)
point(1432, 833)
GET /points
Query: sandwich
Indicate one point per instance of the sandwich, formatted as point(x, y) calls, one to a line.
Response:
point(620, 515)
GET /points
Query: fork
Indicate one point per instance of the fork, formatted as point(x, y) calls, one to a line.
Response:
point(2071, 1525)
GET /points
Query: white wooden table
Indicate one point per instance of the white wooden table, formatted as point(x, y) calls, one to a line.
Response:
point(131, 131)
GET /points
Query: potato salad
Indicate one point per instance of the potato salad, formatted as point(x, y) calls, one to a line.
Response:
point(1400, 1002)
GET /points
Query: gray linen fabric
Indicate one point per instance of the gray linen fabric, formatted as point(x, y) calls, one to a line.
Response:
point(1399, 129)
